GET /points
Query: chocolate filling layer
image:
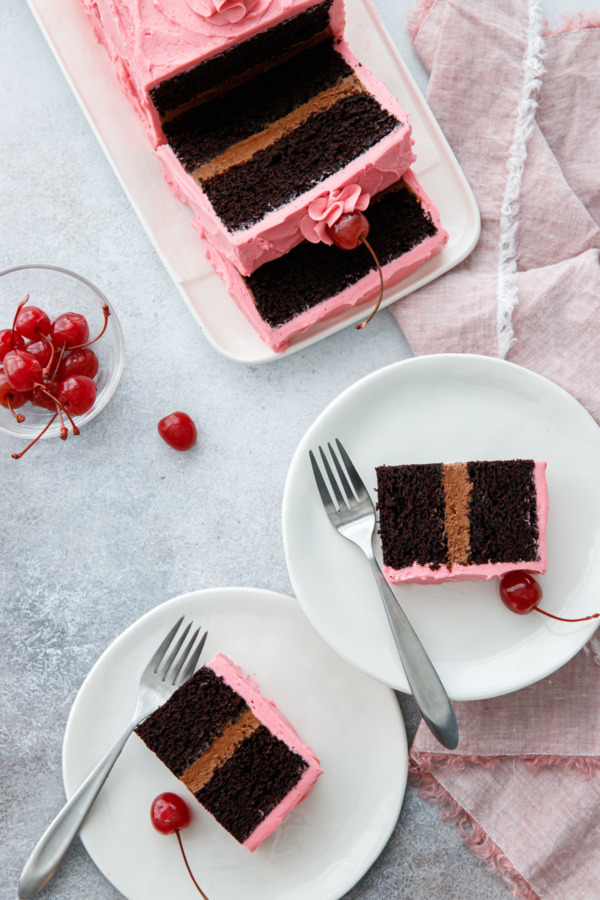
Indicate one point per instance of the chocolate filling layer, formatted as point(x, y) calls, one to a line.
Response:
point(222, 749)
point(457, 491)
point(311, 273)
point(175, 93)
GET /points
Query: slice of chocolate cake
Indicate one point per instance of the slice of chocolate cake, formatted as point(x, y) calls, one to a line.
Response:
point(470, 520)
point(315, 281)
point(250, 161)
point(233, 750)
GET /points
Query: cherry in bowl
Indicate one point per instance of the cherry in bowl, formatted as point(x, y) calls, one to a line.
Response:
point(53, 292)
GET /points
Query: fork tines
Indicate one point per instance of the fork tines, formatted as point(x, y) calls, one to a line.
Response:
point(355, 494)
point(177, 666)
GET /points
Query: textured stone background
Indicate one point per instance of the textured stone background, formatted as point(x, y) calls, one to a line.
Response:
point(96, 532)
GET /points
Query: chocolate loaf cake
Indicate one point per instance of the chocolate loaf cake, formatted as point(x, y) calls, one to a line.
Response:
point(468, 520)
point(314, 281)
point(233, 750)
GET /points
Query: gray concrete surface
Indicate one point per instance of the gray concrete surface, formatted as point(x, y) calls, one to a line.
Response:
point(96, 532)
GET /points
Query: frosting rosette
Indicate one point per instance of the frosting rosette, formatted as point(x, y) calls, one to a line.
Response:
point(327, 209)
point(226, 12)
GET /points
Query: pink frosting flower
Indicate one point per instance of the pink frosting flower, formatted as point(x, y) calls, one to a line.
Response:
point(225, 12)
point(325, 211)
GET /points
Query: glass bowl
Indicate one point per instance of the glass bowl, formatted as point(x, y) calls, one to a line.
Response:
point(57, 291)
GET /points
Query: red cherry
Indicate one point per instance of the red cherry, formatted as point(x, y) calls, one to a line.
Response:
point(10, 341)
point(11, 399)
point(31, 321)
point(178, 430)
point(349, 230)
point(521, 593)
point(78, 362)
point(77, 393)
point(169, 813)
point(44, 398)
point(40, 350)
point(22, 370)
point(69, 330)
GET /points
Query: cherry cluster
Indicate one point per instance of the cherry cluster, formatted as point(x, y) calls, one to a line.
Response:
point(50, 365)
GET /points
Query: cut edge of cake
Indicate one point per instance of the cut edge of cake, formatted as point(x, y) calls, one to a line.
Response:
point(428, 574)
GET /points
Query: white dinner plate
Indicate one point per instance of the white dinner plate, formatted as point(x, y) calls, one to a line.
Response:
point(91, 75)
point(448, 408)
point(352, 722)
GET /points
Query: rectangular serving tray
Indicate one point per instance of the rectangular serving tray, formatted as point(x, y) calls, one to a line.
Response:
point(89, 71)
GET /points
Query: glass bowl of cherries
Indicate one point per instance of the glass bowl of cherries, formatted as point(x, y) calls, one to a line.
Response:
point(61, 352)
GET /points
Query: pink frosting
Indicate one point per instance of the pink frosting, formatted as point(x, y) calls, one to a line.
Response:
point(328, 209)
point(152, 40)
point(267, 713)
point(426, 575)
point(363, 291)
point(279, 230)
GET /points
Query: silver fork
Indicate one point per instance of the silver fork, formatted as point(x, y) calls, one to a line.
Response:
point(165, 672)
point(353, 515)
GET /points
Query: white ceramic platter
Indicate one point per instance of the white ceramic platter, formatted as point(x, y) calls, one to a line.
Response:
point(351, 721)
point(444, 409)
point(91, 76)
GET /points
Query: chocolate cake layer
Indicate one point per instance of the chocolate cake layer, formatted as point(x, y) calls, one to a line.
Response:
point(244, 790)
point(412, 507)
point(503, 514)
point(311, 273)
point(251, 55)
point(208, 131)
point(200, 710)
point(323, 145)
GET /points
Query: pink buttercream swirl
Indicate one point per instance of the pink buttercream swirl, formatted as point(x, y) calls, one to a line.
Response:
point(226, 12)
point(325, 211)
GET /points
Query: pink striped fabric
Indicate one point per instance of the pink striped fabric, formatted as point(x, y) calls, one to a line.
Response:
point(523, 785)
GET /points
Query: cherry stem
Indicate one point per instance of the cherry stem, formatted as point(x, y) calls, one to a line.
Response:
point(19, 308)
point(560, 618)
point(106, 312)
point(374, 255)
point(57, 366)
point(45, 337)
point(64, 434)
point(18, 416)
point(59, 408)
point(187, 865)
point(43, 431)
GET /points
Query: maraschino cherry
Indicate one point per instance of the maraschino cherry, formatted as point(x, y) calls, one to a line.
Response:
point(520, 592)
point(49, 364)
point(178, 430)
point(348, 233)
point(170, 813)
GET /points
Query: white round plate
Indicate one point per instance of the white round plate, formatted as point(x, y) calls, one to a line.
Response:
point(448, 408)
point(352, 722)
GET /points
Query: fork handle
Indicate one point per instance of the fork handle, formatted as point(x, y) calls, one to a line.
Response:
point(52, 847)
point(427, 689)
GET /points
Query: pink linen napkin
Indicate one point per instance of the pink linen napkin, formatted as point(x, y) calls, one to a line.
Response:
point(521, 110)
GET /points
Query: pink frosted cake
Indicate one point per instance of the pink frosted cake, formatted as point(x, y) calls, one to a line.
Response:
point(172, 54)
point(314, 281)
point(233, 749)
point(461, 521)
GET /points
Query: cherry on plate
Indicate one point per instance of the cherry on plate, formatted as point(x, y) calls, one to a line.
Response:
point(169, 813)
point(520, 592)
point(178, 430)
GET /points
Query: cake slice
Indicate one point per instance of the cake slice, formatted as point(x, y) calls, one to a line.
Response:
point(314, 281)
point(170, 55)
point(466, 520)
point(233, 749)
point(250, 161)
